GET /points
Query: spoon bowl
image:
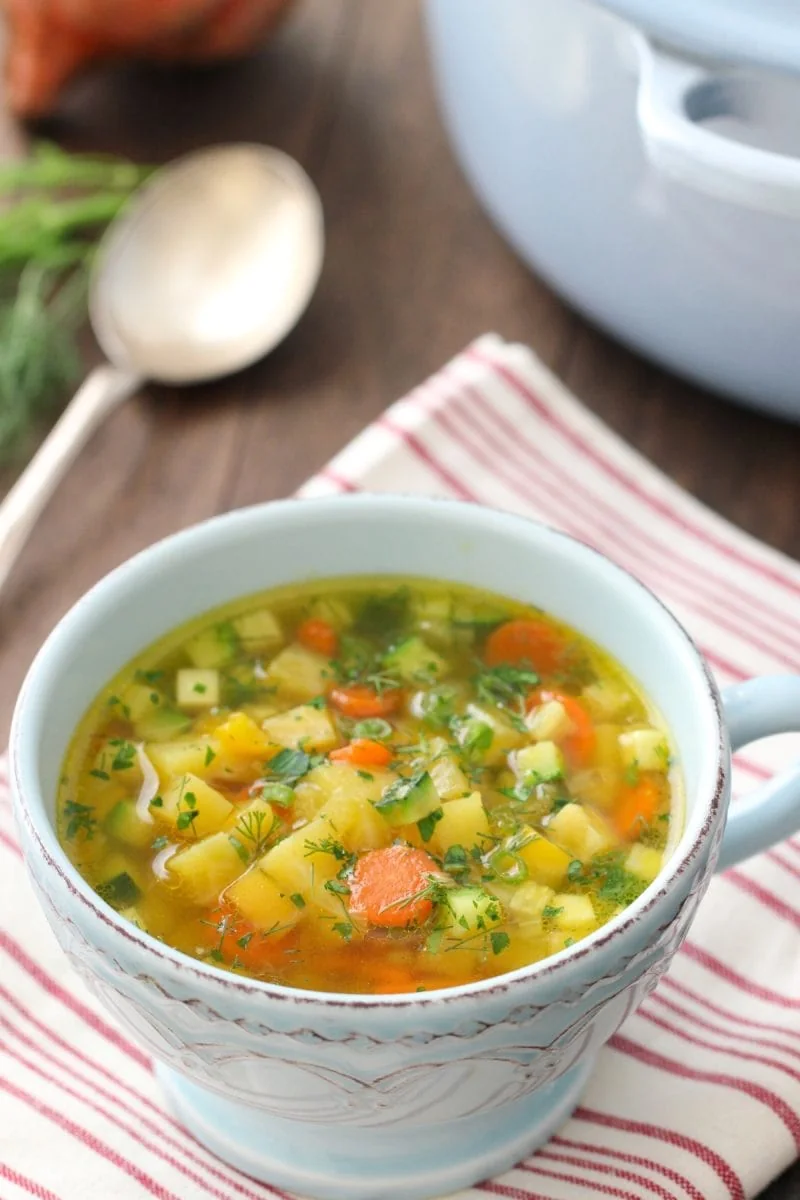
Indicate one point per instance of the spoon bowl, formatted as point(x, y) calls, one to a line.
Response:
point(210, 265)
point(206, 269)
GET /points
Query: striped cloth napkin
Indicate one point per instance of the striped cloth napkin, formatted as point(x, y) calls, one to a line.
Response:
point(698, 1096)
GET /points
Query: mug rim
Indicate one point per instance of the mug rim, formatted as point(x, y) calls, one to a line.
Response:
point(24, 773)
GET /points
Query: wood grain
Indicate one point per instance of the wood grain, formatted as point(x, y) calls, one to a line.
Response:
point(413, 272)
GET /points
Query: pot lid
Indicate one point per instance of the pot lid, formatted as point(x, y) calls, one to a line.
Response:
point(763, 33)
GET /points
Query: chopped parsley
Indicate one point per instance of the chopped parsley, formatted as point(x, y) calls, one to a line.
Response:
point(80, 819)
point(427, 824)
point(125, 755)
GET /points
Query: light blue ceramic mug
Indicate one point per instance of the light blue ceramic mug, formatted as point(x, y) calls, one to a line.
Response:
point(388, 1098)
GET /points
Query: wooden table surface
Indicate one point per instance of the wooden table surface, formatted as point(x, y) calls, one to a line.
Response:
point(413, 272)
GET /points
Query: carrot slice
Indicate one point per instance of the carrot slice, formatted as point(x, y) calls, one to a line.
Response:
point(525, 640)
point(637, 808)
point(241, 940)
point(362, 752)
point(580, 743)
point(360, 701)
point(389, 978)
point(316, 634)
point(387, 886)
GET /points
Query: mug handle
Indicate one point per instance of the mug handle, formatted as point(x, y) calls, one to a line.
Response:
point(756, 709)
point(675, 94)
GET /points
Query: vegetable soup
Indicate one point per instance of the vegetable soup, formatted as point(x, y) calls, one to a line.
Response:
point(369, 787)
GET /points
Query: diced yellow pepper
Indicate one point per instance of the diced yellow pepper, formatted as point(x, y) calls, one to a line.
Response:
point(240, 737)
point(546, 862)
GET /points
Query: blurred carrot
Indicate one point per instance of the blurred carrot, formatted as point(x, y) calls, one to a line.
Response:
point(360, 701)
point(316, 634)
point(637, 808)
point(362, 752)
point(580, 742)
point(525, 640)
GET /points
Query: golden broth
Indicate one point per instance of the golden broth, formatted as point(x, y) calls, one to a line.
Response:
point(367, 786)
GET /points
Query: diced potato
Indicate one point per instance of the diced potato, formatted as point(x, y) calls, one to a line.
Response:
point(464, 823)
point(334, 610)
point(340, 779)
point(581, 832)
point(607, 751)
point(607, 700)
point(181, 758)
point(189, 795)
point(504, 736)
point(205, 869)
point(548, 722)
point(309, 799)
point(357, 822)
point(300, 863)
point(240, 737)
point(300, 673)
point(644, 861)
point(528, 902)
point(414, 661)
point(574, 914)
point(598, 786)
point(197, 687)
point(543, 762)
point(646, 749)
point(448, 778)
point(213, 647)
point(252, 824)
point(258, 631)
point(260, 900)
point(262, 712)
point(304, 726)
point(546, 862)
point(115, 762)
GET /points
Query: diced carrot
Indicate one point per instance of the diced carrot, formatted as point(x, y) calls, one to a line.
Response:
point(359, 701)
point(240, 940)
point(580, 743)
point(637, 808)
point(388, 978)
point(525, 640)
point(316, 634)
point(362, 752)
point(389, 887)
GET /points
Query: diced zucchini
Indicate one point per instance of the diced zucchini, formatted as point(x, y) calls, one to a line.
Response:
point(504, 736)
point(300, 673)
point(133, 915)
point(120, 890)
point(607, 700)
point(528, 902)
point(546, 862)
point(646, 749)
point(205, 869)
point(543, 762)
point(573, 914)
point(407, 801)
point(125, 824)
point(548, 722)
point(197, 687)
point(213, 647)
point(582, 832)
point(644, 862)
point(258, 631)
point(182, 758)
point(470, 910)
point(463, 823)
point(240, 737)
point(414, 661)
point(261, 901)
point(192, 807)
point(305, 726)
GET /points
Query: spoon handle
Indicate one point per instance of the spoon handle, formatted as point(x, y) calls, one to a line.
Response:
point(102, 391)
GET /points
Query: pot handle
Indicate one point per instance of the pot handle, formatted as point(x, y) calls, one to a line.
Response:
point(674, 95)
point(755, 709)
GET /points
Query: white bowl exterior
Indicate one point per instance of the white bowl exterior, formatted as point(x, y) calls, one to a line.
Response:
point(361, 1061)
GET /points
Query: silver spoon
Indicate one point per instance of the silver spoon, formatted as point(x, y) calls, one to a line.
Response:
point(208, 267)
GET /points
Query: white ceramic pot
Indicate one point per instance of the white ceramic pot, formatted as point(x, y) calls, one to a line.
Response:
point(617, 152)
